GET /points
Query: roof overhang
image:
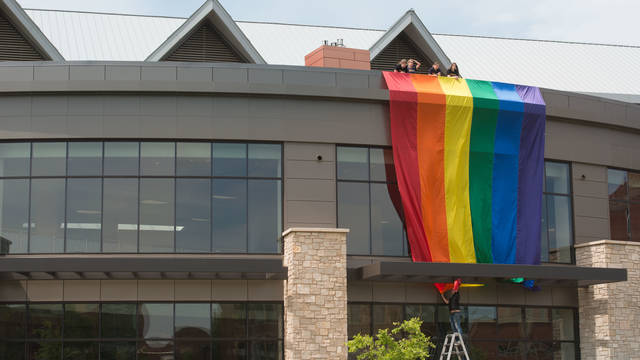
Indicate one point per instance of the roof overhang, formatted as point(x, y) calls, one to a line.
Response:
point(29, 29)
point(545, 275)
point(226, 267)
point(411, 25)
point(211, 11)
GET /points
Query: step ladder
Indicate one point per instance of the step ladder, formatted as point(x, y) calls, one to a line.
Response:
point(453, 344)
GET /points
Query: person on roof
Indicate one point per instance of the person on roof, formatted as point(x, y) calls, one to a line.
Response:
point(401, 66)
point(435, 69)
point(453, 71)
point(413, 65)
point(454, 306)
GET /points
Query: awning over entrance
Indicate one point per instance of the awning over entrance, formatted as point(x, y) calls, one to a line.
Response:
point(544, 275)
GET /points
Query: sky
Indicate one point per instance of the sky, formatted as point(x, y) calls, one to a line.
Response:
point(594, 21)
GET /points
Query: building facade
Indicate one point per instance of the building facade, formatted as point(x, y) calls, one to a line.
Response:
point(218, 210)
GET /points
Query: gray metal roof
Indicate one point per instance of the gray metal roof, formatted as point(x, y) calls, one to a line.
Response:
point(576, 67)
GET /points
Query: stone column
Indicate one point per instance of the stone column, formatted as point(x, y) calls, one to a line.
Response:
point(315, 294)
point(610, 313)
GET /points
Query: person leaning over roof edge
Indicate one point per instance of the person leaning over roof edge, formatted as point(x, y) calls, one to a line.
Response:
point(453, 71)
point(401, 66)
point(435, 69)
point(413, 65)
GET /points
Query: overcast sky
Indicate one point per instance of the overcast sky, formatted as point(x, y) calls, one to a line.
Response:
point(599, 21)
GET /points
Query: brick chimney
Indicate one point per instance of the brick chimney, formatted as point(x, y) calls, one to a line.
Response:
point(338, 57)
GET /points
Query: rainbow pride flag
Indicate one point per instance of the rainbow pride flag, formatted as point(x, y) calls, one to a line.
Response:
point(469, 158)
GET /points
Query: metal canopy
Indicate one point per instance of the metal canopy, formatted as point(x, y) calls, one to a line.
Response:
point(547, 275)
point(138, 267)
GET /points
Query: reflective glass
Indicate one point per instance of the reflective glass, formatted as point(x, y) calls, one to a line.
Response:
point(118, 320)
point(229, 159)
point(155, 321)
point(44, 350)
point(118, 350)
point(538, 324)
point(385, 315)
point(229, 225)
point(49, 159)
point(157, 215)
point(231, 350)
point(511, 350)
point(634, 221)
point(155, 350)
point(85, 159)
point(265, 320)
point(559, 227)
point(618, 220)
point(120, 219)
point(157, 158)
point(556, 177)
point(265, 160)
point(121, 158)
point(266, 350)
point(13, 319)
point(264, 223)
point(510, 323)
point(193, 215)
point(426, 313)
point(482, 349)
point(15, 159)
point(634, 187)
point(358, 319)
point(80, 350)
point(382, 168)
point(14, 213)
point(482, 322)
point(193, 350)
point(386, 225)
point(617, 184)
point(353, 214)
point(47, 216)
point(563, 324)
point(228, 320)
point(80, 321)
point(353, 163)
point(565, 351)
point(84, 215)
point(193, 321)
point(45, 321)
point(12, 350)
point(194, 159)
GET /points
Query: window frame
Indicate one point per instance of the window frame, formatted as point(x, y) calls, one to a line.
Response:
point(627, 202)
point(569, 194)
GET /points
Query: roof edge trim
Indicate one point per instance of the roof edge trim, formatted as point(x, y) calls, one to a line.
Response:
point(210, 9)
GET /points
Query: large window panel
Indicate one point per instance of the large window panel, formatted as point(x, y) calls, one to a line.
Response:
point(358, 319)
point(265, 320)
point(426, 313)
point(81, 321)
point(80, 350)
point(353, 214)
point(353, 163)
point(265, 160)
point(563, 324)
point(47, 215)
point(538, 324)
point(155, 320)
point(617, 184)
point(44, 350)
point(384, 315)
point(229, 204)
point(263, 222)
point(120, 219)
point(382, 167)
point(229, 159)
point(15, 159)
point(482, 322)
point(634, 221)
point(45, 321)
point(150, 349)
point(193, 159)
point(14, 213)
point(510, 324)
point(118, 321)
point(229, 320)
point(157, 158)
point(266, 350)
point(121, 158)
point(49, 159)
point(187, 350)
point(386, 225)
point(118, 350)
point(13, 318)
point(85, 159)
point(557, 177)
point(559, 228)
point(84, 215)
point(157, 215)
point(193, 215)
point(230, 349)
point(193, 321)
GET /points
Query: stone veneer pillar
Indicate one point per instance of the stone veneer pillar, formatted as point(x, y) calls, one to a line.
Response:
point(610, 313)
point(315, 294)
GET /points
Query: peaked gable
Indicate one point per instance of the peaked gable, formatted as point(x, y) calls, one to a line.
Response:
point(14, 46)
point(205, 45)
point(402, 47)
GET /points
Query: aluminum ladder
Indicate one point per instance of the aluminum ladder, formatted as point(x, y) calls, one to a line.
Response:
point(453, 344)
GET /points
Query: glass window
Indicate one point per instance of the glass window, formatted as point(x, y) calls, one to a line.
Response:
point(563, 324)
point(559, 228)
point(12, 350)
point(47, 215)
point(265, 160)
point(634, 187)
point(353, 163)
point(14, 213)
point(618, 220)
point(157, 158)
point(624, 205)
point(382, 168)
point(229, 199)
point(264, 223)
point(85, 159)
point(49, 159)
point(13, 319)
point(84, 215)
point(510, 323)
point(80, 350)
point(193, 350)
point(358, 319)
point(14, 159)
point(385, 315)
point(265, 320)
point(120, 219)
point(80, 321)
point(353, 211)
point(45, 321)
point(634, 221)
point(538, 324)
point(193, 321)
point(482, 322)
point(118, 350)
point(228, 320)
point(44, 350)
point(155, 321)
point(194, 159)
point(266, 350)
point(617, 180)
point(229, 159)
point(556, 177)
point(386, 225)
point(118, 320)
point(155, 349)
point(156, 215)
point(121, 158)
point(426, 313)
point(193, 215)
point(232, 350)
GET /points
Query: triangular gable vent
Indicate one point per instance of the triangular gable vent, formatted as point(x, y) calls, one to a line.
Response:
point(205, 44)
point(400, 48)
point(13, 45)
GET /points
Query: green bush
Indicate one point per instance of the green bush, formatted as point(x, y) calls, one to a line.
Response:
point(405, 342)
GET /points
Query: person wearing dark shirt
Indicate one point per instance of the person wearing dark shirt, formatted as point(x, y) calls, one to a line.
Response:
point(401, 66)
point(453, 71)
point(435, 70)
point(413, 65)
point(454, 307)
